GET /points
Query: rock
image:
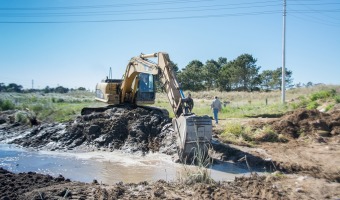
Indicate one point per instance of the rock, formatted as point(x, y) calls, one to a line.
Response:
point(299, 190)
point(323, 133)
point(2, 120)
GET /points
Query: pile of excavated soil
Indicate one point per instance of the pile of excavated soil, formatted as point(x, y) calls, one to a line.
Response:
point(125, 128)
point(304, 122)
point(314, 145)
point(12, 186)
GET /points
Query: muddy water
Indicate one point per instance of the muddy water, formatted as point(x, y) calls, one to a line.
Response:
point(105, 167)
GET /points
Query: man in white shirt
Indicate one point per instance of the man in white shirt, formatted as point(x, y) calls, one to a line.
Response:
point(216, 106)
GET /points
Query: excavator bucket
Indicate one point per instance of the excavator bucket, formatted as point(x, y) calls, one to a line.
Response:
point(194, 136)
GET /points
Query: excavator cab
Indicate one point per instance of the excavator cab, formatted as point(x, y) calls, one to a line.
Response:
point(146, 89)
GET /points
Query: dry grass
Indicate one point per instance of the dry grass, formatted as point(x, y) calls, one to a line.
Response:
point(247, 104)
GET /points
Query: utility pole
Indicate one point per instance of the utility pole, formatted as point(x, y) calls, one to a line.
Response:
point(283, 84)
point(32, 84)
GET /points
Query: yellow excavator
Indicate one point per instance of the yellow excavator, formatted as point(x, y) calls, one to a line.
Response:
point(194, 133)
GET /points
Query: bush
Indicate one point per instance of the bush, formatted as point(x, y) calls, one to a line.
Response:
point(312, 105)
point(234, 129)
point(38, 108)
point(323, 94)
point(337, 98)
point(60, 100)
point(329, 107)
point(303, 101)
point(6, 105)
point(21, 117)
point(267, 134)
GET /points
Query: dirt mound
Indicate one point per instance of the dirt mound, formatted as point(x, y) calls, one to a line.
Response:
point(313, 145)
point(13, 185)
point(125, 128)
point(36, 186)
point(304, 122)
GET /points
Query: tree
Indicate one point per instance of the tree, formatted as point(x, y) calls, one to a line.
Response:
point(47, 89)
point(222, 61)
point(61, 89)
point(272, 79)
point(224, 77)
point(210, 73)
point(309, 84)
point(266, 79)
point(174, 67)
point(12, 87)
point(191, 77)
point(81, 89)
point(245, 73)
point(2, 87)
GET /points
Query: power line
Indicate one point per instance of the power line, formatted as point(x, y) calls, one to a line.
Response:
point(153, 11)
point(199, 8)
point(157, 3)
point(140, 19)
point(324, 14)
point(315, 20)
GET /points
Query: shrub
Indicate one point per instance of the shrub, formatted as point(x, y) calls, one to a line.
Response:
point(312, 105)
point(6, 105)
point(303, 101)
point(323, 94)
point(267, 134)
point(233, 128)
point(60, 100)
point(21, 117)
point(329, 107)
point(337, 98)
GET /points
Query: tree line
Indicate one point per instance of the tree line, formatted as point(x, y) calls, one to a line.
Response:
point(13, 87)
point(240, 74)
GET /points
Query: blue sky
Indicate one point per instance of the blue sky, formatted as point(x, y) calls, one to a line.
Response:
point(74, 43)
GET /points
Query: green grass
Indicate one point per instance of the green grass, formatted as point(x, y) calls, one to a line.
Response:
point(337, 98)
point(323, 94)
point(6, 105)
point(237, 133)
point(48, 107)
point(63, 107)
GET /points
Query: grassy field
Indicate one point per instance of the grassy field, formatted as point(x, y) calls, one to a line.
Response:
point(50, 106)
point(260, 104)
point(63, 107)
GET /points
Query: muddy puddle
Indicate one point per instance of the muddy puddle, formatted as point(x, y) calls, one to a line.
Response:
point(105, 167)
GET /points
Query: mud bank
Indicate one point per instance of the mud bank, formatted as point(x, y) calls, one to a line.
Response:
point(37, 186)
point(129, 129)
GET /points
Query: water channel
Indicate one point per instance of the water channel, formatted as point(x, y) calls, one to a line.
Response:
point(105, 167)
